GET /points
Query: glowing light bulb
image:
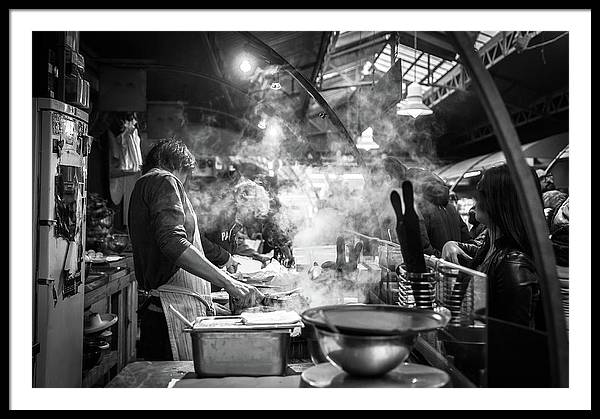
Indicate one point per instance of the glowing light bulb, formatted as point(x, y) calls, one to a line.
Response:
point(245, 66)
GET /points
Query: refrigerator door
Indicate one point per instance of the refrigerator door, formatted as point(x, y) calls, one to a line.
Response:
point(59, 210)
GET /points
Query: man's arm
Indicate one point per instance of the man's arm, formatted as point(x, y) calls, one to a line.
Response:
point(168, 217)
point(213, 252)
point(196, 263)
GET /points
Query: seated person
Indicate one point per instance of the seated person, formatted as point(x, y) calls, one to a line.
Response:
point(243, 249)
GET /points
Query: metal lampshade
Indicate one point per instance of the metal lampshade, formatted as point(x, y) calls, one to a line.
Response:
point(413, 104)
point(365, 141)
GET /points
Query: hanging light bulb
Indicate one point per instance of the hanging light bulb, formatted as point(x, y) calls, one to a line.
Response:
point(245, 66)
point(275, 85)
point(413, 104)
point(365, 141)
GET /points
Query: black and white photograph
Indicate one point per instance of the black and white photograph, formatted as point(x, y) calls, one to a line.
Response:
point(249, 204)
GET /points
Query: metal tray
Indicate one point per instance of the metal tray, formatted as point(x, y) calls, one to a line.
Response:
point(240, 350)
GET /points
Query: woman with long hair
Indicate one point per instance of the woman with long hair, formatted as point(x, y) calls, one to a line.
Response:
point(517, 351)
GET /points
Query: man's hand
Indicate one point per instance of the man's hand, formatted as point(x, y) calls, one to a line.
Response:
point(243, 294)
point(451, 251)
point(231, 265)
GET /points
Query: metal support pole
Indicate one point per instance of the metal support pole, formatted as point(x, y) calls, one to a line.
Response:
point(535, 223)
point(321, 58)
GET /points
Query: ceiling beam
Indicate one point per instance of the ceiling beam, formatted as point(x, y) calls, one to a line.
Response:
point(546, 107)
point(498, 48)
point(361, 44)
point(414, 63)
point(431, 72)
point(428, 42)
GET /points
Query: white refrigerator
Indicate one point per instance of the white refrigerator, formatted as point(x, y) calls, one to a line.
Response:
point(60, 148)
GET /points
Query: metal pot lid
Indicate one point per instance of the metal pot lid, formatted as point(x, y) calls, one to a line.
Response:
point(374, 319)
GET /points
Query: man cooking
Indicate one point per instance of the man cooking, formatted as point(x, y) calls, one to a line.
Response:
point(168, 255)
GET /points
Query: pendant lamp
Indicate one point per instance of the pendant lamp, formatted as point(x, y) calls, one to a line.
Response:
point(413, 104)
point(365, 141)
point(275, 84)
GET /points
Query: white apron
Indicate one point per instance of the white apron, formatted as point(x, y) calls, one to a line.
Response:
point(188, 294)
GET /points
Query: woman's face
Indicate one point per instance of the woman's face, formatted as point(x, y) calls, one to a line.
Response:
point(482, 216)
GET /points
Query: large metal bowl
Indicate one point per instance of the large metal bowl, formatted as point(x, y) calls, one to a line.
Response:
point(369, 339)
point(365, 356)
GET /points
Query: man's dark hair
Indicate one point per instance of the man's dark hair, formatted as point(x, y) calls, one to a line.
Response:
point(395, 168)
point(169, 154)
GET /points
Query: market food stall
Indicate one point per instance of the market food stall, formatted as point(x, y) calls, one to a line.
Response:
point(354, 302)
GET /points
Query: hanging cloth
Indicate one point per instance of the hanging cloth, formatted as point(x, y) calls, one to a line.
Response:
point(131, 153)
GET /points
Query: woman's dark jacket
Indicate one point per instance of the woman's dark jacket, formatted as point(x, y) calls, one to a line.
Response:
point(514, 292)
point(517, 343)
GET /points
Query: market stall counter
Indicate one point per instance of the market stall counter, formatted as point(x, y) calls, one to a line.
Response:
point(180, 374)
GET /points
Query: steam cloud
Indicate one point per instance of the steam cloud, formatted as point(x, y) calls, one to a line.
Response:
point(312, 220)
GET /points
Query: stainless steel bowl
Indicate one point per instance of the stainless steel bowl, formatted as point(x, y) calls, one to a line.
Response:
point(365, 356)
point(369, 339)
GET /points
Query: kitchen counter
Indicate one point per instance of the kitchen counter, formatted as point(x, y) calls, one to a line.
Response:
point(180, 374)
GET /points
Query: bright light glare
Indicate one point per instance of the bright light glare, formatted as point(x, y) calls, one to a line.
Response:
point(472, 174)
point(245, 66)
point(262, 124)
point(366, 70)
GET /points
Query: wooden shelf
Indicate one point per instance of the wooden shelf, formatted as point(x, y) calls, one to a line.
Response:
point(119, 296)
point(94, 374)
point(116, 281)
